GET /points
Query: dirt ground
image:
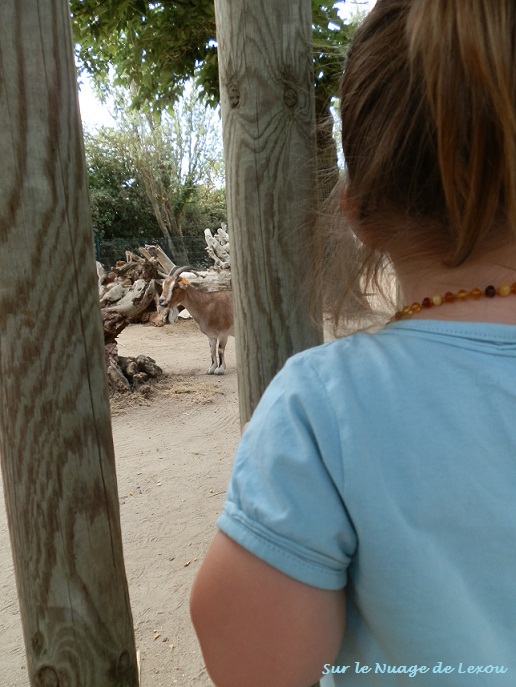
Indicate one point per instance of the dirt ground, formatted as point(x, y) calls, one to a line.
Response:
point(173, 452)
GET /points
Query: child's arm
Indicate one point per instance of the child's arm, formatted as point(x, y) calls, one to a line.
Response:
point(258, 627)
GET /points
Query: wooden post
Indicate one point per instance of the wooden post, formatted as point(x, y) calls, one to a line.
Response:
point(267, 100)
point(55, 434)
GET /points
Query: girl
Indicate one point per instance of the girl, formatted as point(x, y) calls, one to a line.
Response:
point(368, 534)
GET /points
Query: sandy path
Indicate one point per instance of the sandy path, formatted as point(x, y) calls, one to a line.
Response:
point(173, 454)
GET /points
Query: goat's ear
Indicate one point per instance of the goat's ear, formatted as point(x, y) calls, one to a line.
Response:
point(183, 282)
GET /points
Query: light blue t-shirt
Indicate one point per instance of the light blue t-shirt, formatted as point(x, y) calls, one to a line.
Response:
point(386, 463)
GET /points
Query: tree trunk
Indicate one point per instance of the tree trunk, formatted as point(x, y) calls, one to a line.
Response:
point(163, 212)
point(55, 434)
point(266, 85)
point(178, 250)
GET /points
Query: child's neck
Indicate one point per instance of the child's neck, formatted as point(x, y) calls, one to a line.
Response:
point(431, 278)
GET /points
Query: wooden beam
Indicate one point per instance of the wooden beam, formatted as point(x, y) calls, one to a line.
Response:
point(267, 100)
point(55, 435)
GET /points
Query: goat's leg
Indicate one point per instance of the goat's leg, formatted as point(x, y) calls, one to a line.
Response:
point(213, 351)
point(221, 358)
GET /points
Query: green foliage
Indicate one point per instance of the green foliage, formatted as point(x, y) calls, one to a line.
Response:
point(178, 155)
point(153, 175)
point(331, 38)
point(206, 211)
point(120, 206)
point(156, 47)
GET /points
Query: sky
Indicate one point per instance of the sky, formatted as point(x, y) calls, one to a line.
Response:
point(94, 114)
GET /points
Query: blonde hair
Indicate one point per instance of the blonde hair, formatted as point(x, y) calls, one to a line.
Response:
point(428, 108)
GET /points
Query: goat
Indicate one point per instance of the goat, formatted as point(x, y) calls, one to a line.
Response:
point(212, 310)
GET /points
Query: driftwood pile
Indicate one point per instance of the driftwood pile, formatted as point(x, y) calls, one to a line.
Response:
point(129, 293)
point(217, 247)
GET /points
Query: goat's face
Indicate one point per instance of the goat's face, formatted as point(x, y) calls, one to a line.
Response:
point(173, 291)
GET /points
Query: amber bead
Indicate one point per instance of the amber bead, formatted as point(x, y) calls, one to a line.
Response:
point(503, 290)
point(449, 297)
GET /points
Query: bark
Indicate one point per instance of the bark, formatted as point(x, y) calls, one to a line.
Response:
point(56, 446)
point(157, 254)
point(217, 247)
point(267, 102)
point(138, 297)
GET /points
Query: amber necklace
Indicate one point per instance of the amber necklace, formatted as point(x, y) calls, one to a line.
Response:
point(450, 297)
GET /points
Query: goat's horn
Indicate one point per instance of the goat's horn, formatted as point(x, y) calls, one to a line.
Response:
point(176, 271)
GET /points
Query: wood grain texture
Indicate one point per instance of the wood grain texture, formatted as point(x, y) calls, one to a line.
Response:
point(266, 83)
point(55, 434)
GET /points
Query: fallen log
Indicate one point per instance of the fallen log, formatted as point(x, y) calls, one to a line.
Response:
point(137, 298)
point(126, 374)
point(217, 247)
point(138, 371)
point(118, 382)
point(113, 323)
point(155, 254)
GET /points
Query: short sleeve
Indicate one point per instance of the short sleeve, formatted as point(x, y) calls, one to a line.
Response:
point(284, 503)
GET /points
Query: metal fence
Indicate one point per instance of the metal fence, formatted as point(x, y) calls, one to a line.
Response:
point(108, 252)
